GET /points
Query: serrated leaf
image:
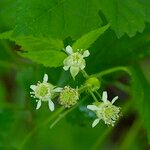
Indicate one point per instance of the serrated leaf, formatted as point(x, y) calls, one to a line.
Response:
point(146, 5)
point(125, 16)
point(141, 96)
point(46, 51)
point(6, 35)
point(109, 51)
point(47, 58)
point(57, 18)
point(86, 40)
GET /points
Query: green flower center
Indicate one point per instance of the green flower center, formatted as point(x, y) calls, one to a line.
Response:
point(68, 97)
point(42, 90)
point(109, 113)
point(76, 57)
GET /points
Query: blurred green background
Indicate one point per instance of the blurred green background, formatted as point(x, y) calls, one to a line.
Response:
point(23, 127)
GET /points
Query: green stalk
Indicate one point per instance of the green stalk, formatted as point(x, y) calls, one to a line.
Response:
point(111, 70)
point(30, 134)
point(131, 135)
point(92, 94)
point(85, 75)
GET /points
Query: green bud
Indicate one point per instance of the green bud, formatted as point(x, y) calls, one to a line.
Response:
point(93, 83)
point(68, 97)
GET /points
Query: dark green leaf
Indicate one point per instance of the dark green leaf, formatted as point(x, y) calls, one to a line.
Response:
point(125, 16)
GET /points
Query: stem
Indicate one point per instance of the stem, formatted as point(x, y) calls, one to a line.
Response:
point(82, 89)
point(111, 70)
point(101, 139)
point(92, 94)
point(85, 74)
point(61, 116)
point(132, 134)
point(30, 134)
point(98, 94)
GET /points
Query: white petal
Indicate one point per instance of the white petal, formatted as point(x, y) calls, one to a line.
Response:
point(96, 121)
point(74, 71)
point(69, 49)
point(33, 87)
point(86, 53)
point(82, 66)
point(59, 89)
point(92, 107)
point(104, 96)
point(114, 99)
point(51, 105)
point(45, 79)
point(66, 68)
point(38, 104)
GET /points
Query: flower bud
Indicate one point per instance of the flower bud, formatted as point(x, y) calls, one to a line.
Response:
point(93, 83)
point(68, 97)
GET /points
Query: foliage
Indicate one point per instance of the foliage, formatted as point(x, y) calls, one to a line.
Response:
point(33, 37)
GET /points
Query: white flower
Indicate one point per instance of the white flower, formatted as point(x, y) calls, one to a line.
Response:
point(75, 61)
point(105, 111)
point(44, 92)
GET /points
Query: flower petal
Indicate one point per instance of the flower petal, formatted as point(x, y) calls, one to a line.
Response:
point(86, 53)
point(114, 99)
point(92, 107)
point(82, 65)
point(104, 96)
point(33, 87)
point(59, 89)
point(96, 121)
point(45, 79)
point(74, 71)
point(66, 68)
point(38, 104)
point(51, 105)
point(69, 49)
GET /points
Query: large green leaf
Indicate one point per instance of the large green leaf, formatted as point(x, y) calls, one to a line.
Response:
point(7, 14)
point(141, 96)
point(63, 18)
point(125, 16)
point(47, 58)
point(46, 51)
point(146, 4)
point(57, 18)
point(109, 51)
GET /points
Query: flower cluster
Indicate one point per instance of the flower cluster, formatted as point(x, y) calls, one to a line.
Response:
point(68, 97)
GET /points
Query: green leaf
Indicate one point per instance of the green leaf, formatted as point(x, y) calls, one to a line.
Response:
point(141, 96)
point(7, 14)
point(146, 4)
point(109, 51)
point(47, 58)
point(125, 16)
point(86, 40)
point(57, 18)
point(6, 35)
point(46, 51)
